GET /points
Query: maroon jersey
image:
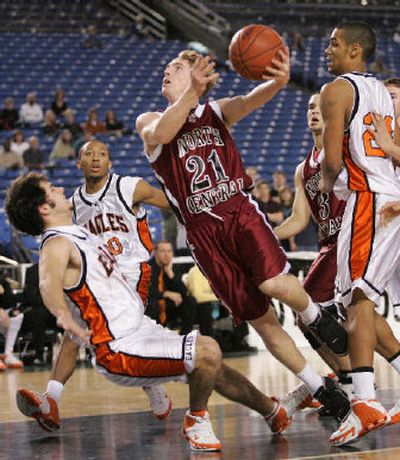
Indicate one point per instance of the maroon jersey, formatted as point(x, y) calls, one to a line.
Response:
point(201, 167)
point(326, 208)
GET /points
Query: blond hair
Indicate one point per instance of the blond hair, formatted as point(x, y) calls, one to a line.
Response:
point(190, 56)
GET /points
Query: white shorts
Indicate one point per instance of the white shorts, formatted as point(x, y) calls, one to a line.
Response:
point(150, 356)
point(393, 289)
point(368, 254)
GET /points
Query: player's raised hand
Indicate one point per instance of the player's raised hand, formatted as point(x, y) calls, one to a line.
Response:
point(280, 70)
point(66, 321)
point(388, 212)
point(380, 133)
point(202, 74)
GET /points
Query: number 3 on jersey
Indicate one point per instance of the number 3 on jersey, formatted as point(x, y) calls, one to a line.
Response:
point(197, 166)
point(370, 146)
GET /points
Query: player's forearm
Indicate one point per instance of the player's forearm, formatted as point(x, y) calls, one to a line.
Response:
point(289, 228)
point(329, 175)
point(261, 95)
point(53, 298)
point(172, 120)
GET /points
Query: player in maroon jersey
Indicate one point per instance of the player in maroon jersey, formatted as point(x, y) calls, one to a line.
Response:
point(196, 160)
point(326, 210)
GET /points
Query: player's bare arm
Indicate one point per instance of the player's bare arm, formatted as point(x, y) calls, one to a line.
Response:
point(301, 212)
point(336, 102)
point(145, 193)
point(277, 77)
point(160, 128)
point(384, 139)
point(59, 266)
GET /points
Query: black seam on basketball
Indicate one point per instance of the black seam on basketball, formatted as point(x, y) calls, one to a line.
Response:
point(254, 38)
point(263, 52)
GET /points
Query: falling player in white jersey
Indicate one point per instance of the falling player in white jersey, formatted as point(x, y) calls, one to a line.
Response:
point(109, 206)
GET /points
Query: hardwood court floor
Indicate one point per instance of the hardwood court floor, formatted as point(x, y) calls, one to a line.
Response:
point(104, 421)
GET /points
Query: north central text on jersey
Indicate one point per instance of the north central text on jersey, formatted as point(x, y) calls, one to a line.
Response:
point(199, 137)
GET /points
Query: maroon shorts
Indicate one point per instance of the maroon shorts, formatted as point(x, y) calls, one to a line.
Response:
point(320, 280)
point(237, 254)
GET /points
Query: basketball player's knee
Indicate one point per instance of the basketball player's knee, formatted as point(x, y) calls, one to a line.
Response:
point(278, 287)
point(208, 352)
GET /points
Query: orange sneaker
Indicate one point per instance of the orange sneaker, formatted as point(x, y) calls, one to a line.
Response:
point(41, 407)
point(365, 416)
point(309, 402)
point(395, 413)
point(3, 367)
point(198, 431)
point(12, 362)
point(159, 401)
point(279, 420)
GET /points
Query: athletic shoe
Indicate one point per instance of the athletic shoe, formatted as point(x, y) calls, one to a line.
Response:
point(12, 362)
point(293, 400)
point(333, 334)
point(333, 398)
point(365, 416)
point(278, 420)
point(198, 431)
point(395, 413)
point(3, 367)
point(159, 401)
point(41, 407)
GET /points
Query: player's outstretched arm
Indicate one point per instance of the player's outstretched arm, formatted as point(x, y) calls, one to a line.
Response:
point(54, 260)
point(236, 108)
point(160, 128)
point(145, 193)
point(383, 138)
point(301, 212)
point(336, 102)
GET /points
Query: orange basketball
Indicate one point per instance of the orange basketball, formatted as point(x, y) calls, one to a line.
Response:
point(253, 48)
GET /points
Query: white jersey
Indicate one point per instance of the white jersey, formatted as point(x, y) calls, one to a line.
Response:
point(368, 168)
point(102, 300)
point(108, 214)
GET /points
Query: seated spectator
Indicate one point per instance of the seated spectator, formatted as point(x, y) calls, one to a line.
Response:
point(92, 123)
point(38, 317)
point(168, 300)
point(268, 206)
point(8, 158)
point(10, 324)
point(33, 157)
point(140, 28)
point(279, 183)
point(286, 196)
point(253, 173)
point(59, 104)
point(113, 125)
point(31, 113)
point(18, 143)
point(199, 287)
point(70, 123)
point(50, 126)
point(92, 40)
point(9, 115)
point(63, 147)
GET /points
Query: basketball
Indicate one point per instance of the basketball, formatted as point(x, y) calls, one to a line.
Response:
point(253, 48)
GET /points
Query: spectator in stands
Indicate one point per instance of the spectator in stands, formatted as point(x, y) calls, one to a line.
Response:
point(63, 147)
point(253, 173)
point(112, 124)
point(393, 86)
point(170, 226)
point(70, 123)
point(168, 300)
point(77, 144)
point(38, 316)
point(271, 208)
point(10, 324)
point(199, 288)
point(50, 126)
point(18, 143)
point(59, 104)
point(286, 196)
point(92, 40)
point(9, 159)
point(33, 157)
point(31, 113)
point(140, 27)
point(92, 123)
point(279, 183)
point(9, 115)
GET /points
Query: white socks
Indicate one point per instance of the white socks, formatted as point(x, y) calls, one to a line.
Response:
point(363, 385)
point(12, 333)
point(310, 314)
point(310, 378)
point(55, 389)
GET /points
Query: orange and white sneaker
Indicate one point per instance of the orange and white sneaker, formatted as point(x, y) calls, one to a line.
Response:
point(299, 398)
point(3, 367)
point(365, 416)
point(395, 413)
point(159, 401)
point(198, 431)
point(12, 362)
point(278, 420)
point(39, 406)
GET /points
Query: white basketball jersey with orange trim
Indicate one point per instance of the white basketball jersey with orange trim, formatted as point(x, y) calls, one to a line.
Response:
point(368, 168)
point(108, 214)
point(102, 300)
